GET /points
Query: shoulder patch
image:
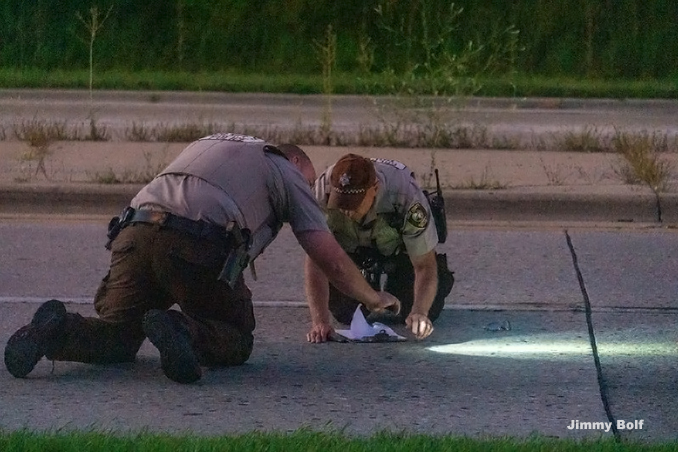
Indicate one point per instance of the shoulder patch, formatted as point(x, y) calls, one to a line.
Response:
point(393, 163)
point(417, 216)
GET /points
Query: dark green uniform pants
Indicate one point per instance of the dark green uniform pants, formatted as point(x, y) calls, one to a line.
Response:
point(155, 268)
point(400, 283)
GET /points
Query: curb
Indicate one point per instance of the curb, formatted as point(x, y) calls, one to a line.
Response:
point(461, 205)
point(64, 200)
point(641, 207)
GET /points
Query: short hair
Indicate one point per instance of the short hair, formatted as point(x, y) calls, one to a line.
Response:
point(291, 150)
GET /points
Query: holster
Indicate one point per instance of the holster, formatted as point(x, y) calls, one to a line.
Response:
point(372, 264)
point(116, 224)
point(237, 257)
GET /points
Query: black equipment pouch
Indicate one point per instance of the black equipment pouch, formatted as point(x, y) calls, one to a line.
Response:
point(370, 265)
point(373, 265)
point(116, 224)
point(237, 257)
point(437, 203)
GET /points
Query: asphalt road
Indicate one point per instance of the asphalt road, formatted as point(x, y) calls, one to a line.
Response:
point(561, 363)
point(538, 377)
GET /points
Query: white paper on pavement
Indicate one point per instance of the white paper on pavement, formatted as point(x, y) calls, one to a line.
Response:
point(361, 331)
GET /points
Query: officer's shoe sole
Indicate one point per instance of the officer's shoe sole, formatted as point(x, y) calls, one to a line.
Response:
point(177, 358)
point(30, 343)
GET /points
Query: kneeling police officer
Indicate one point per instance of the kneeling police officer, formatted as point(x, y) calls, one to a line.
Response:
point(385, 222)
point(185, 239)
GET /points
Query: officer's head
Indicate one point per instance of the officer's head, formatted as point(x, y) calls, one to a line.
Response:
point(353, 186)
point(299, 158)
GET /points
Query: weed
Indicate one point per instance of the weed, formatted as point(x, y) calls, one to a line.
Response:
point(182, 133)
point(177, 133)
point(539, 143)
point(504, 143)
point(642, 162)
point(151, 169)
point(36, 131)
point(39, 140)
point(594, 177)
point(36, 154)
point(587, 139)
point(405, 127)
point(553, 174)
point(438, 78)
point(300, 134)
point(23, 178)
point(108, 177)
point(427, 180)
point(138, 133)
point(471, 138)
point(365, 58)
point(97, 132)
point(486, 182)
point(93, 25)
point(327, 54)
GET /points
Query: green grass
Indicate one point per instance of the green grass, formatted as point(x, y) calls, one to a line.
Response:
point(525, 86)
point(302, 440)
point(343, 83)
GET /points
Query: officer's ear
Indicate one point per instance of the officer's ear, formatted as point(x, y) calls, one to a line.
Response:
point(372, 191)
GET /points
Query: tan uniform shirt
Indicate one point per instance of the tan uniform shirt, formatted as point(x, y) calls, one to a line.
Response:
point(228, 177)
point(399, 220)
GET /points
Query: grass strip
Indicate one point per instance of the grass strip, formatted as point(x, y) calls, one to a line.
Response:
point(520, 85)
point(304, 440)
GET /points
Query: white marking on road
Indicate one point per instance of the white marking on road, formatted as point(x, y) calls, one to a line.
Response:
point(448, 307)
point(88, 300)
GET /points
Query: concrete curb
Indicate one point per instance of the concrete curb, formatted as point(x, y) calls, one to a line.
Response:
point(473, 205)
point(504, 205)
point(66, 199)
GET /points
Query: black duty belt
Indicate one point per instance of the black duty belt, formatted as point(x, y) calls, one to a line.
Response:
point(198, 229)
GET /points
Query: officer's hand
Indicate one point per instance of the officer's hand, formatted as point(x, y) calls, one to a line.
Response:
point(419, 324)
point(320, 332)
point(387, 302)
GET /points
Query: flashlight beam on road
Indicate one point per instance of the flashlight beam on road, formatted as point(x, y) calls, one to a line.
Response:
point(554, 347)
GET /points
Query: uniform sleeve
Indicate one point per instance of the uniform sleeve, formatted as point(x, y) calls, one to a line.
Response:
point(322, 187)
point(418, 229)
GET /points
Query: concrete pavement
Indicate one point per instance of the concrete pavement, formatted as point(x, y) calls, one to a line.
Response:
point(479, 185)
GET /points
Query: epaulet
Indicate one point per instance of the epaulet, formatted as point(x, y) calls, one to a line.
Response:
point(274, 150)
point(391, 162)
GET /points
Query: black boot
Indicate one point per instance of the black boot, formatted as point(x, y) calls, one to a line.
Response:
point(31, 342)
point(171, 337)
